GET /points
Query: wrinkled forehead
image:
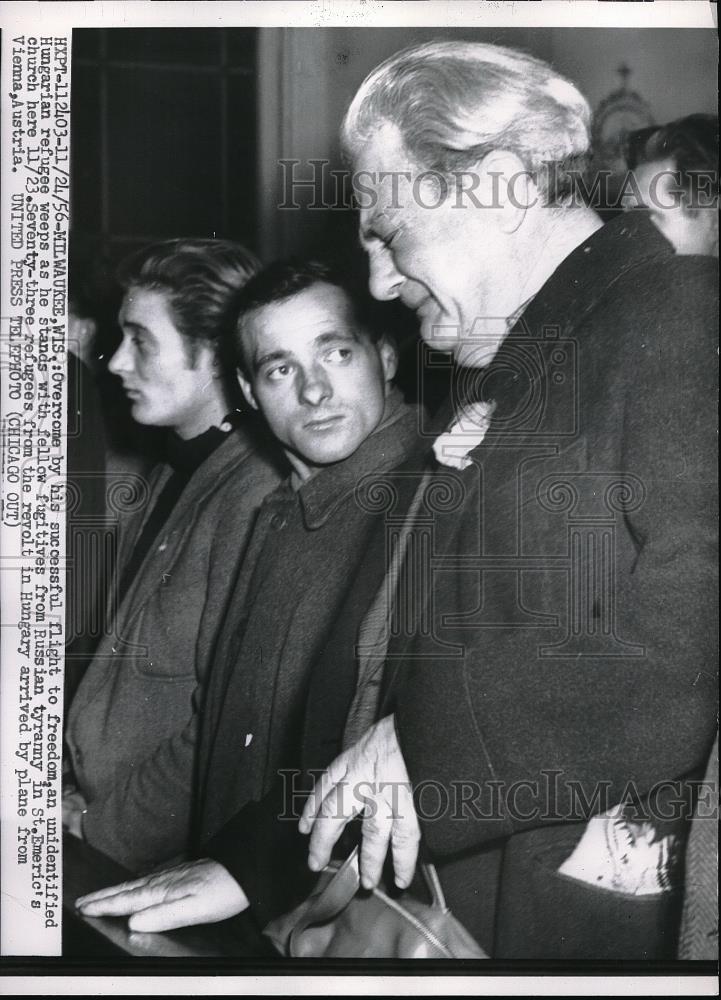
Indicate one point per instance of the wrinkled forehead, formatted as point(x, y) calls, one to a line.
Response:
point(384, 175)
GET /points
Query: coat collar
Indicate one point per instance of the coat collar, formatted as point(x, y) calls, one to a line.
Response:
point(582, 278)
point(237, 446)
point(185, 455)
point(388, 446)
point(574, 289)
point(223, 463)
point(572, 292)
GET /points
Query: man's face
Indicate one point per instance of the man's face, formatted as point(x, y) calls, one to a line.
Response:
point(315, 376)
point(451, 264)
point(165, 389)
point(690, 232)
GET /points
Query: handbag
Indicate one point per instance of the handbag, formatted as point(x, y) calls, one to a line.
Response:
point(341, 920)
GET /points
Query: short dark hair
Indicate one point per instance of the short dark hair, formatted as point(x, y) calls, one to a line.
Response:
point(691, 142)
point(202, 280)
point(284, 279)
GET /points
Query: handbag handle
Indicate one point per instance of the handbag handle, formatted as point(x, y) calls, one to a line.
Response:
point(333, 899)
point(438, 900)
point(345, 884)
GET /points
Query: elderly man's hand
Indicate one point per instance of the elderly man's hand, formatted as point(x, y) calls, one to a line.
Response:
point(74, 807)
point(370, 779)
point(197, 892)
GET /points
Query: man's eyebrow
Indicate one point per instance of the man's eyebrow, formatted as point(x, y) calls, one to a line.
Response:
point(368, 230)
point(130, 324)
point(332, 335)
point(270, 356)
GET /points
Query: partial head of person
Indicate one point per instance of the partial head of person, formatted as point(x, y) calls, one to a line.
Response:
point(92, 302)
point(312, 361)
point(464, 158)
point(675, 168)
point(177, 320)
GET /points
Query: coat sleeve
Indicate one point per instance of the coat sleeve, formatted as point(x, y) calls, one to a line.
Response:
point(263, 850)
point(158, 791)
point(502, 739)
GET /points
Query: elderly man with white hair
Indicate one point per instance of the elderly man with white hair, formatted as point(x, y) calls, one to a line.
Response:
point(568, 665)
point(550, 691)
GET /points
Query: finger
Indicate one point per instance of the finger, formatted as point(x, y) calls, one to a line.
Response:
point(167, 916)
point(335, 812)
point(376, 831)
point(112, 890)
point(216, 896)
point(129, 901)
point(72, 804)
point(334, 774)
point(405, 839)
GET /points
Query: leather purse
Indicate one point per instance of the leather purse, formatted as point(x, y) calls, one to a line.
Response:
point(341, 920)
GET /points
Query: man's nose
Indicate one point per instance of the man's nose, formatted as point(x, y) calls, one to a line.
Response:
point(385, 280)
point(314, 387)
point(121, 361)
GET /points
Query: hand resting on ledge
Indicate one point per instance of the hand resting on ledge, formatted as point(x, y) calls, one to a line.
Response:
point(196, 892)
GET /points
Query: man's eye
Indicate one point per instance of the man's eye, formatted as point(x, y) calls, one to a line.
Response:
point(383, 243)
point(339, 355)
point(278, 373)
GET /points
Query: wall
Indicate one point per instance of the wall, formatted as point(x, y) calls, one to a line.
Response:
point(163, 135)
point(674, 71)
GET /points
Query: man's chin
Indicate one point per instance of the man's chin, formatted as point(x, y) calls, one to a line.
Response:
point(141, 414)
point(440, 336)
point(472, 354)
point(331, 455)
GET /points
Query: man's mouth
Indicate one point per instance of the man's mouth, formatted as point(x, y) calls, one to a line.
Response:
point(324, 423)
point(131, 393)
point(418, 305)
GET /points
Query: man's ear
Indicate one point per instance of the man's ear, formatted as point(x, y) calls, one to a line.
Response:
point(510, 185)
point(246, 389)
point(389, 359)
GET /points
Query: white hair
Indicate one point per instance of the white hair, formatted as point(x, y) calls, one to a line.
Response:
point(454, 101)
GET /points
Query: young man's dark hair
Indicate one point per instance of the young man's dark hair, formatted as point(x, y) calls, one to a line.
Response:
point(200, 278)
point(692, 144)
point(676, 172)
point(283, 279)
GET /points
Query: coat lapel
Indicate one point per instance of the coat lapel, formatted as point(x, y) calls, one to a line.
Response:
point(158, 564)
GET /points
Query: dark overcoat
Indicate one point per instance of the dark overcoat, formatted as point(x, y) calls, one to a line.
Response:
point(563, 656)
point(264, 712)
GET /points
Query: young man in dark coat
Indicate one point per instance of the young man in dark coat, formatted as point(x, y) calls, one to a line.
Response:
point(321, 377)
point(131, 729)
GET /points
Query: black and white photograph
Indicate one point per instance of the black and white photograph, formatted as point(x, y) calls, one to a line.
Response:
point(360, 505)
